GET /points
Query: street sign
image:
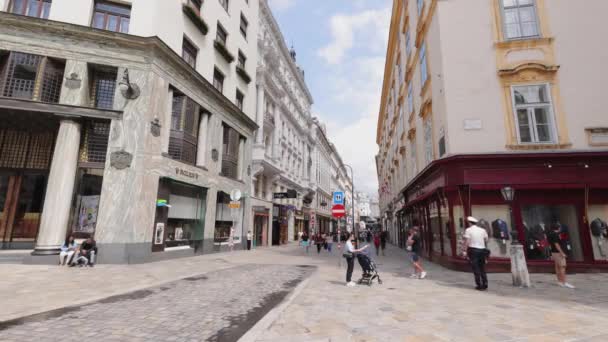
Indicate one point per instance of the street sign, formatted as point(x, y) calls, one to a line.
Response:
point(234, 205)
point(338, 197)
point(338, 211)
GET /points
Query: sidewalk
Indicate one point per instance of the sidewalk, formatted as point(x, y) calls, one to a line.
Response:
point(443, 307)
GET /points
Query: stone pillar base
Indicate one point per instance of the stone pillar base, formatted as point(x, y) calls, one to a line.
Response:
point(519, 268)
point(46, 251)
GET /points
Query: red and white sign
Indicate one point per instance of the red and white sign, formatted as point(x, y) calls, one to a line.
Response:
point(338, 211)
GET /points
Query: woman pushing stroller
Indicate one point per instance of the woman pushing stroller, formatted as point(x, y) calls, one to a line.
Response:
point(349, 254)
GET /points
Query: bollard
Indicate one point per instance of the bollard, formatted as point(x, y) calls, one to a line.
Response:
point(519, 268)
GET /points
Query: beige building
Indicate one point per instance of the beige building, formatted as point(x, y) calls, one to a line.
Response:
point(480, 95)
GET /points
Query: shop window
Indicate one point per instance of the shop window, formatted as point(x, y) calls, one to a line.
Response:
point(538, 220)
point(447, 231)
point(31, 77)
point(226, 218)
point(94, 146)
point(185, 116)
point(103, 87)
point(532, 105)
point(86, 208)
point(186, 217)
point(112, 17)
point(459, 225)
point(31, 8)
point(495, 219)
point(598, 218)
point(231, 140)
point(435, 226)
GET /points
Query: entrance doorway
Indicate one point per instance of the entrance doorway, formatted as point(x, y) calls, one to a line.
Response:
point(21, 202)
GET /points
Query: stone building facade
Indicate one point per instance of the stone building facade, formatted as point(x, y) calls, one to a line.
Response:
point(483, 100)
point(109, 133)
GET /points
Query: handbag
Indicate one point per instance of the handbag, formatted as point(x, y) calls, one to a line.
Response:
point(347, 255)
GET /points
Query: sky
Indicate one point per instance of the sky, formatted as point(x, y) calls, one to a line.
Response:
point(341, 45)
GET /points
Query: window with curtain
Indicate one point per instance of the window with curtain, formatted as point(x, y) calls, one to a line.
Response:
point(533, 114)
point(230, 151)
point(519, 19)
point(423, 66)
point(185, 116)
point(31, 8)
point(112, 17)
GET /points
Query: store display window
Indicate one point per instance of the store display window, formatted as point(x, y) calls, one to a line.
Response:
point(186, 217)
point(87, 199)
point(598, 218)
point(538, 220)
point(445, 223)
point(458, 212)
point(495, 219)
point(435, 226)
point(227, 218)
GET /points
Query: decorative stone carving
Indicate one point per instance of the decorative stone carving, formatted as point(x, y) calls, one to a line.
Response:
point(155, 127)
point(121, 159)
point(73, 82)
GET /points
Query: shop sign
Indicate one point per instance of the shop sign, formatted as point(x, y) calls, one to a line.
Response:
point(186, 173)
point(234, 205)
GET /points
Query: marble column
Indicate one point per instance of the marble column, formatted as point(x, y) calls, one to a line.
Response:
point(259, 134)
point(201, 151)
point(241, 160)
point(59, 190)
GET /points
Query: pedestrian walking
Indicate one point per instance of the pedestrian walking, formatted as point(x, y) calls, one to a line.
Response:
point(476, 239)
point(383, 238)
point(249, 236)
point(377, 243)
point(559, 256)
point(305, 241)
point(319, 241)
point(413, 246)
point(349, 254)
point(329, 241)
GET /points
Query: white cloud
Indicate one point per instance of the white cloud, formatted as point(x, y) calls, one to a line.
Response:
point(281, 5)
point(370, 26)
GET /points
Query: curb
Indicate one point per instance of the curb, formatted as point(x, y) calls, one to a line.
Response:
point(263, 324)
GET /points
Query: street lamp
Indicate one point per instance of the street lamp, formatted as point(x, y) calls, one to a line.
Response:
point(508, 194)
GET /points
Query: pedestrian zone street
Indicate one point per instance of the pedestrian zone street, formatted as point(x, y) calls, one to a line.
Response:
point(282, 294)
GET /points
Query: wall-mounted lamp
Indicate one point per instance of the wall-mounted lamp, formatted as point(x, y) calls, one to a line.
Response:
point(548, 165)
point(128, 90)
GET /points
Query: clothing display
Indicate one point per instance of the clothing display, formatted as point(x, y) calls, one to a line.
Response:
point(599, 228)
point(485, 225)
point(500, 230)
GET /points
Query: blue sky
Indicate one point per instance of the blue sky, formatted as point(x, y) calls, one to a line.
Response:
point(341, 44)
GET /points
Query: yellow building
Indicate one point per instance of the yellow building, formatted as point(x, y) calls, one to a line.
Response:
point(485, 95)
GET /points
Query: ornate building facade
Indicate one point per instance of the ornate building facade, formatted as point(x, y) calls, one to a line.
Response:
point(485, 96)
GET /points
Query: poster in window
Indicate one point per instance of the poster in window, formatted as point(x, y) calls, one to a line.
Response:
point(159, 233)
point(87, 216)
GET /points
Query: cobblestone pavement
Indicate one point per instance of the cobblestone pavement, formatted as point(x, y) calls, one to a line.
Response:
point(217, 306)
point(443, 307)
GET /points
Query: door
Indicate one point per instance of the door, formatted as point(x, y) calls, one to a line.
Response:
point(21, 202)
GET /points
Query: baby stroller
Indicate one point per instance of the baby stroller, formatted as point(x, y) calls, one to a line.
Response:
point(370, 271)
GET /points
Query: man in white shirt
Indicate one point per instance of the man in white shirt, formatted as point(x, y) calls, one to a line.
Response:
point(476, 239)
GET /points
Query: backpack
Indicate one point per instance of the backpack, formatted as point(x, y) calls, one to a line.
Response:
point(500, 230)
point(598, 227)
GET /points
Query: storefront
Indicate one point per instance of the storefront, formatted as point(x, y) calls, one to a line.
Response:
point(299, 217)
point(564, 190)
point(260, 225)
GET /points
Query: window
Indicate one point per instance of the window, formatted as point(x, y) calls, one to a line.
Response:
point(94, 147)
point(420, 6)
point(225, 4)
point(244, 24)
point(230, 152)
point(533, 112)
point(196, 4)
point(185, 116)
point(218, 80)
point(408, 43)
point(103, 86)
point(31, 77)
point(519, 19)
point(242, 60)
point(413, 157)
point(423, 66)
point(410, 98)
point(31, 8)
point(111, 17)
point(189, 52)
point(240, 98)
point(221, 35)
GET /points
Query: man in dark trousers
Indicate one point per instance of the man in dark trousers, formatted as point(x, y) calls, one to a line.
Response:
point(476, 239)
point(383, 241)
